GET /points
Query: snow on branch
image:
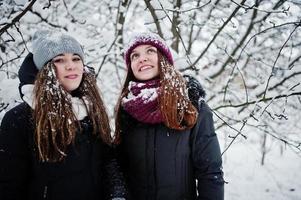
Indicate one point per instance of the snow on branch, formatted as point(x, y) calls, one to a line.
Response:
point(274, 64)
point(17, 17)
point(265, 99)
point(255, 7)
point(217, 33)
point(184, 11)
point(175, 30)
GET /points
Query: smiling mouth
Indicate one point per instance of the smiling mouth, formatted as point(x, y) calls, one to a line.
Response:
point(73, 76)
point(146, 67)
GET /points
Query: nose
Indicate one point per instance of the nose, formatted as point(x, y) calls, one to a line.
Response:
point(69, 65)
point(143, 57)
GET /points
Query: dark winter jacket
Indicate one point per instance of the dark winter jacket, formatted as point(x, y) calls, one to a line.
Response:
point(90, 170)
point(164, 164)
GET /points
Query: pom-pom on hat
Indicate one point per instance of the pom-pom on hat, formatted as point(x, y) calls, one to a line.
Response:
point(147, 38)
point(47, 44)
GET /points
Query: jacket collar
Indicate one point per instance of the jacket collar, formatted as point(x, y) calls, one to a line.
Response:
point(78, 105)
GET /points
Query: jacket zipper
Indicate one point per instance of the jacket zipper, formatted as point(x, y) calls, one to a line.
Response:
point(45, 192)
point(155, 163)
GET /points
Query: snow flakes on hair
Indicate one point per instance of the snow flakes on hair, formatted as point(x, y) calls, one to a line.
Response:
point(150, 39)
point(52, 86)
point(177, 111)
point(53, 106)
point(174, 84)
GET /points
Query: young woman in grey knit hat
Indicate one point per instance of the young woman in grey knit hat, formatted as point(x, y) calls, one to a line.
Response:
point(167, 142)
point(56, 145)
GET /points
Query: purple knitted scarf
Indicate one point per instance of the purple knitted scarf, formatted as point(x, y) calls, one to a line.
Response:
point(142, 101)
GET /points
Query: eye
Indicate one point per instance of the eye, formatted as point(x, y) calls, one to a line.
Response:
point(151, 50)
point(76, 59)
point(134, 56)
point(58, 60)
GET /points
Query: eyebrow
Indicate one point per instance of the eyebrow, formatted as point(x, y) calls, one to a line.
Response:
point(132, 52)
point(62, 54)
point(148, 46)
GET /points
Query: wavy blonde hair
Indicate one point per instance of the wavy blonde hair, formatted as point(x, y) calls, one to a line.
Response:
point(55, 122)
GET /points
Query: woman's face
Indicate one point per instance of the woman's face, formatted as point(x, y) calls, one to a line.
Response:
point(69, 68)
point(144, 62)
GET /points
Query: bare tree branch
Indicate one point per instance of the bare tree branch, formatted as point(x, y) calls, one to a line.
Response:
point(17, 18)
point(47, 21)
point(104, 58)
point(12, 59)
point(175, 22)
point(21, 37)
point(230, 58)
point(276, 6)
point(280, 83)
point(291, 64)
point(257, 101)
point(218, 32)
point(3, 106)
point(238, 132)
point(198, 7)
point(235, 137)
point(295, 144)
point(191, 29)
point(120, 21)
point(72, 17)
point(255, 7)
point(267, 85)
point(191, 66)
point(155, 17)
point(264, 31)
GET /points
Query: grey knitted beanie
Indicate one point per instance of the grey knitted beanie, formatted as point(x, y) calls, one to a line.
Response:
point(46, 45)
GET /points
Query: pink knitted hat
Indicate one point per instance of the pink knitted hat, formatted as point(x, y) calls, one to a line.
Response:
point(150, 39)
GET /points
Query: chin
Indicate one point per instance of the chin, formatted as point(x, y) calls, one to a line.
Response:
point(70, 89)
point(145, 78)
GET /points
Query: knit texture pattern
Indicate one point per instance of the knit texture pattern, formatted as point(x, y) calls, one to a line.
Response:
point(46, 45)
point(142, 101)
point(147, 39)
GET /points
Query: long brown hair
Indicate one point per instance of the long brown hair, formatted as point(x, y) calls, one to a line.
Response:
point(55, 122)
point(177, 110)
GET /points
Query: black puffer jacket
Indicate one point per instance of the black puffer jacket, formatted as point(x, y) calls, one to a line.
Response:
point(90, 170)
point(164, 164)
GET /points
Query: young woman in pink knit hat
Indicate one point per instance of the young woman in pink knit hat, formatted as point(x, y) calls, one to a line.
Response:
point(167, 142)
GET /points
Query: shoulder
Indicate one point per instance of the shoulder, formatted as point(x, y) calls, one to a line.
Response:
point(15, 128)
point(197, 94)
point(18, 111)
point(17, 115)
point(204, 107)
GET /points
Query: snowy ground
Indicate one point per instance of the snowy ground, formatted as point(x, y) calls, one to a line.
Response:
point(278, 179)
